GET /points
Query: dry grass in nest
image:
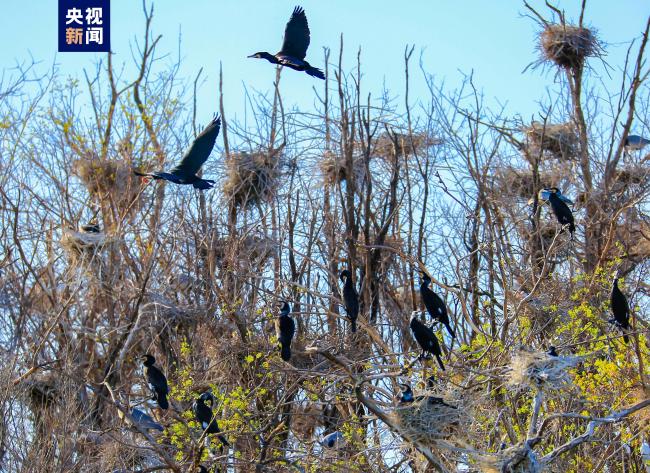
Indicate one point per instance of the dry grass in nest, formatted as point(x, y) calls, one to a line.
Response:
point(111, 180)
point(568, 46)
point(636, 175)
point(83, 246)
point(405, 145)
point(515, 459)
point(115, 456)
point(251, 248)
point(540, 370)
point(428, 422)
point(304, 420)
point(334, 169)
point(42, 391)
point(520, 182)
point(559, 140)
point(251, 177)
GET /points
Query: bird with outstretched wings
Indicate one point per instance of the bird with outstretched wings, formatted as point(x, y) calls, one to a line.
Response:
point(200, 150)
point(296, 35)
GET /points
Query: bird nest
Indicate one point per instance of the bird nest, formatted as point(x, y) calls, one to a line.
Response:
point(557, 140)
point(540, 370)
point(250, 248)
point(108, 180)
point(567, 46)
point(83, 246)
point(636, 175)
point(42, 391)
point(517, 459)
point(428, 422)
point(403, 144)
point(305, 419)
point(251, 178)
point(334, 170)
point(521, 183)
point(389, 248)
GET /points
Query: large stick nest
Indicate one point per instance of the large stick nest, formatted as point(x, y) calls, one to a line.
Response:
point(108, 180)
point(558, 141)
point(427, 421)
point(521, 182)
point(568, 46)
point(517, 459)
point(83, 246)
point(402, 144)
point(252, 178)
point(334, 169)
point(247, 249)
point(540, 370)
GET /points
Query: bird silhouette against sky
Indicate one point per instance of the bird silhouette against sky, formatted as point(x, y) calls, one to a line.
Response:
point(185, 171)
point(294, 46)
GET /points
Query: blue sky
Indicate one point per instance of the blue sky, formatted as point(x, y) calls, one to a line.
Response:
point(490, 38)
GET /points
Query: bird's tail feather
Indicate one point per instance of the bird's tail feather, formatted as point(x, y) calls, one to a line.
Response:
point(161, 399)
point(315, 72)
point(451, 332)
point(203, 184)
point(626, 339)
point(285, 351)
point(442, 367)
point(354, 325)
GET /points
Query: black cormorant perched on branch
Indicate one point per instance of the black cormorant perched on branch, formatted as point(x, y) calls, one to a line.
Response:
point(426, 339)
point(285, 328)
point(156, 380)
point(185, 172)
point(350, 298)
point(204, 416)
point(294, 46)
point(561, 210)
point(434, 304)
point(620, 309)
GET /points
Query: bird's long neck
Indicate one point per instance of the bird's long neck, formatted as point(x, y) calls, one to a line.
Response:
point(270, 57)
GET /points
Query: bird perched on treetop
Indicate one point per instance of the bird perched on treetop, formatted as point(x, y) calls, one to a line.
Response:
point(350, 298)
point(426, 339)
point(294, 46)
point(156, 381)
point(434, 304)
point(561, 209)
point(636, 142)
point(620, 309)
point(204, 416)
point(185, 172)
point(285, 328)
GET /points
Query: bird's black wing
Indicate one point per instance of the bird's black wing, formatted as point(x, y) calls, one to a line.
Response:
point(296, 35)
point(199, 150)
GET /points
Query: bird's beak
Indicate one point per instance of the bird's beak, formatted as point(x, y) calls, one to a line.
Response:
point(252, 55)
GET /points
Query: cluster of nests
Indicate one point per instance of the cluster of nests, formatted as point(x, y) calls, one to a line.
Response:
point(108, 180)
point(568, 46)
point(431, 419)
point(541, 371)
point(252, 177)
